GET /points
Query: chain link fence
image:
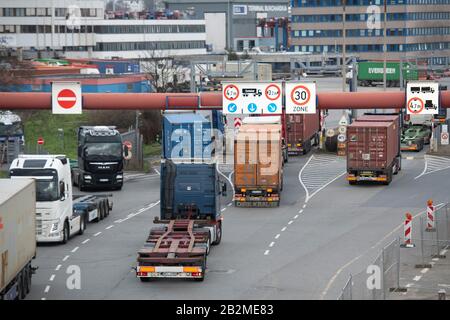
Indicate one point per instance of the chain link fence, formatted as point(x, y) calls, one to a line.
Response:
point(430, 245)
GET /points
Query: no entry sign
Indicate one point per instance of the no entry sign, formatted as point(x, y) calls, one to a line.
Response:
point(300, 97)
point(252, 98)
point(66, 98)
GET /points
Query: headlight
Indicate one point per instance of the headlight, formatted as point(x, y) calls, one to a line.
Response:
point(54, 227)
point(119, 176)
point(87, 177)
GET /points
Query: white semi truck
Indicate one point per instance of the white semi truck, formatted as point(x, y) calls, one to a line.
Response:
point(17, 237)
point(59, 213)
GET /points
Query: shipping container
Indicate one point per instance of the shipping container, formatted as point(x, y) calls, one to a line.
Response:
point(372, 151)
point(258, 165)
point(187, 136)
point(17, 236)
point(371, 73)
point(302, 132)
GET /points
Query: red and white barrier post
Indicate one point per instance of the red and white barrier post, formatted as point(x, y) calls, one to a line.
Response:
point(408, 231)
point(431, 209)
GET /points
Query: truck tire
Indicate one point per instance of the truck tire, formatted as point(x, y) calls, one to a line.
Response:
point(66, 233)
point(106, 207)
point(30, 275)
point(219, 232)
point(23, 282)
point(145, 279)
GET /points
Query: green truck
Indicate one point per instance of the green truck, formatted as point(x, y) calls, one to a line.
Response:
point(370, 73)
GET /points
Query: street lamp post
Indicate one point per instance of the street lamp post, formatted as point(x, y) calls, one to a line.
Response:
point(385, 45)
point(344, 69)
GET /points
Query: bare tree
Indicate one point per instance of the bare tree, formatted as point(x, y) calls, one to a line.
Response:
point(12, 70)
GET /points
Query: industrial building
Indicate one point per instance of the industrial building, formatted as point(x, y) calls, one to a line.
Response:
point(240, 25)
point(82, 29)
point(414, 29)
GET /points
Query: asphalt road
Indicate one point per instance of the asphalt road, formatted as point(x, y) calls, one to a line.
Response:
point(305, 249)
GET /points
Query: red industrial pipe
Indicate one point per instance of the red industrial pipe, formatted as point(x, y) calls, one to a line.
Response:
point(161, 101)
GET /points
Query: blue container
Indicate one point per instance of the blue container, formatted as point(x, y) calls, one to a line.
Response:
point(187, 136)
point(189, 191)
point(116, 67)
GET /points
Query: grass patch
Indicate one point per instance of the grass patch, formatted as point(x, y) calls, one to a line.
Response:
point(151, 150)
point(3, 174)
point(45, 124)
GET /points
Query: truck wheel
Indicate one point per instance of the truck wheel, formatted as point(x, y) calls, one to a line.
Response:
point(27, 280)
point(218, 230)
point(66, 233)
point(80, 185)
point(30, 275)
point(106, 208)
point(145, 279)
point(82, 224)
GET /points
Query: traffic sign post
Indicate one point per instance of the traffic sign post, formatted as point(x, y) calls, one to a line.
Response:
point(300, 97)
point(252, 98)
point(422, 97)
point(66, 98)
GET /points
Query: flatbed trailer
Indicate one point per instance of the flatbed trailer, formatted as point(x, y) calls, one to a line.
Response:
point(176, 250)
point(95, 207)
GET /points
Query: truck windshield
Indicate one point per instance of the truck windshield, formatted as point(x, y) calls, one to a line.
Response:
point(46, 190)
point(46, 186)
point(102, 150)
point(14, 129)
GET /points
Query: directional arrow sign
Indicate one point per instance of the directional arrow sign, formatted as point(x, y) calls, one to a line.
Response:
point(252, 97)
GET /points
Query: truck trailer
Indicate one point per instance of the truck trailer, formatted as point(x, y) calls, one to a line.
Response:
point(372, 151)
point(258, 165)
point(370, 73)
point(17, 237)
point(59, 213)
point(302, 132)
point(191, 222)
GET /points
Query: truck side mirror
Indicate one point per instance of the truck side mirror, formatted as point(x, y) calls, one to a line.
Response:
point(62, 191)
point(79, 151)
point(224, 189)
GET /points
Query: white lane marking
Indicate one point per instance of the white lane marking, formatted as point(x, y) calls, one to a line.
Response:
point(86, 241)
point(65, 258)
point(334, 277)
point(43, 298)
point(291, 222)
point(284, 229)
point(109, 227)
point(266, 252)
point(432, 263)
point(435, 259)
point(230, 204)
point(97, 234)
point(118, 221)
point(296, 216)
point(277, 236)
point(47, 289)
point(443, 252)
point(58, 267)
point(444, 285)
point(409, 285)
point(52, 278)
point(157, 172)
point(271, 244)
point(223, 209)
point(417, 278)
point(75, 249)
point(301, 211)
point(304, 206)
point(434, 164)
point(424, 270)
point(131, 215)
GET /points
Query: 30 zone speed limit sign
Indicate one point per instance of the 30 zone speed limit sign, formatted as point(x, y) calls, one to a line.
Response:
point(300, 97)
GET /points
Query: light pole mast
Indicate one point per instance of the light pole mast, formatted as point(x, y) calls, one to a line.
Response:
point(344, 69)
point(385, 45)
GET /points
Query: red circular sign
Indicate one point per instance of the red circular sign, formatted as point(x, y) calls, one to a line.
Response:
point(225, 91)
point(308, 95)
point(40, 141)
point(421, 105)
point(67, 98)
point(267, 92)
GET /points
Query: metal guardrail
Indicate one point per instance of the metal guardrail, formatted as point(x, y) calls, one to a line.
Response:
point(429, 244)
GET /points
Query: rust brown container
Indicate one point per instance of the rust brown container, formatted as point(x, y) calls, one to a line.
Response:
point(372, 145)
point(384, 118)
point(300, 130)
